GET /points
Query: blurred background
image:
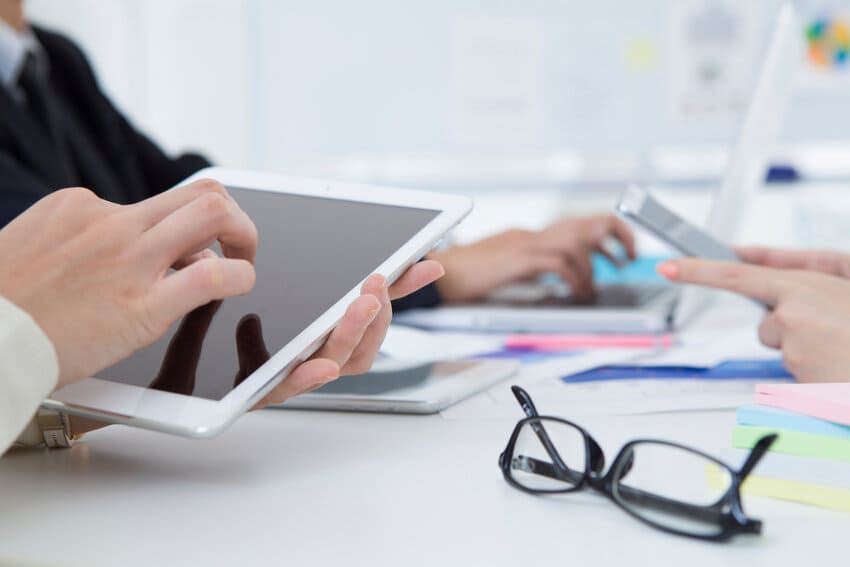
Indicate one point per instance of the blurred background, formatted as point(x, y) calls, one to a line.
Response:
point(473, 95)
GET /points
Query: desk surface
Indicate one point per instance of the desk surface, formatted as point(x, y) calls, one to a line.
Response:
point(286, 487)
point(291, 488)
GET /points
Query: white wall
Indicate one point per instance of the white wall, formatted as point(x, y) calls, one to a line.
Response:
point(178, 68)
point(457, 90)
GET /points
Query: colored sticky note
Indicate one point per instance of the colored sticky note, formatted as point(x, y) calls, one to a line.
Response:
point(764, 416)
point(805, 493)
point(794, 442)
point(825, 401)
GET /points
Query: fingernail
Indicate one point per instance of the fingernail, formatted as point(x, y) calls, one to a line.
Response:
point(373, 312)
point(669, 270)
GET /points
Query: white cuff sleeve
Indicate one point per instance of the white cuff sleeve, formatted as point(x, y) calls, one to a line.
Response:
point(29, 370)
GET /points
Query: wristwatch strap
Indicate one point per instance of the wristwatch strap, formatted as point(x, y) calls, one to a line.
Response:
point(55, 428)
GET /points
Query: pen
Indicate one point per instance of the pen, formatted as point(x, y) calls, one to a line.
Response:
point(567, 342)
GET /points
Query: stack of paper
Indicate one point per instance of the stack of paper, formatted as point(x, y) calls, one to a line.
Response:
point(810, 462)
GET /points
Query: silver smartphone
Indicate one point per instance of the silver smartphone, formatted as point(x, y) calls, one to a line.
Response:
point(638, 206)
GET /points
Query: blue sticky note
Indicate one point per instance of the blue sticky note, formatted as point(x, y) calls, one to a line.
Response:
point(763, 416)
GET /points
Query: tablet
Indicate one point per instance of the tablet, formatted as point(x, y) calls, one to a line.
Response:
point(407, 387)
point(318, 242)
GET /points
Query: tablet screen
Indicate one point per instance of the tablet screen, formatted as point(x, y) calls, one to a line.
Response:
point(312, 251)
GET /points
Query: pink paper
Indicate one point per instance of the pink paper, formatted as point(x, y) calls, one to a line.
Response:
point(825, 401)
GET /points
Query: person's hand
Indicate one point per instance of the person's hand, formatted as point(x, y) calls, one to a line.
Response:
point(97, 277)
point(353, 344)
point(809, 316)
point(350, 349)
point(475, 270)
point(824, 261)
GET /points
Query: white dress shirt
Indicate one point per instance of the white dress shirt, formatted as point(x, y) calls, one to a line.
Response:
point(28, 370)
point(14, 46)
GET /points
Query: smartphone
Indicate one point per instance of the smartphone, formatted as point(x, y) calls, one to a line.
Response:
point(638, 206)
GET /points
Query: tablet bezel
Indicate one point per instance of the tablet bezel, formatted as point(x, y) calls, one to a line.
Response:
point(199, 417)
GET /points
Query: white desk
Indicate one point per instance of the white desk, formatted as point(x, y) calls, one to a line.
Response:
point(300, 488)
point(296, 488)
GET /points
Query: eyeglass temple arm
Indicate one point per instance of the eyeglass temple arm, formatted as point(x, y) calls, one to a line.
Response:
point(524, 401)
point(759, 450)
point(635, 495)
point(542, 468)
point(528, 407)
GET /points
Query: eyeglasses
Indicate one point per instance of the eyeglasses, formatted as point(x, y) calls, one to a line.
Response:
point(671, 487)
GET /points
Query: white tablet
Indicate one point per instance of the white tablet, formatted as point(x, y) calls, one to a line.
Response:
point(318, 242)
point(394, 386)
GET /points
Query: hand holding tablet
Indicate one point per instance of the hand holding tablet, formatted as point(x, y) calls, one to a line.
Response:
point(96, 278)
point(314, 312)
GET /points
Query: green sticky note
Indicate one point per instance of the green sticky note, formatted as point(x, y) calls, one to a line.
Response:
point(794, 442)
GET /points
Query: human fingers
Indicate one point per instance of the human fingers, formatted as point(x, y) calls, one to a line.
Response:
point(367, 349)
point(765, 284)
point(151, 211)
point(416, 277)
point(349, 332)
point(601, 249)
point(774, 257)
point(192, 258)
point(199, 223)
point(543, 263)
point(198, 284)
point(580, 265)
point(307, 376)
point(770, 332)
point(612, 226)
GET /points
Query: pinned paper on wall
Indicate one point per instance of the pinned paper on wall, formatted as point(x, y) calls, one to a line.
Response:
point(712, 50)
point(497, 76)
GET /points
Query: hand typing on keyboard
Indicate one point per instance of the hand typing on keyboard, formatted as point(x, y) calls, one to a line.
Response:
point(563, 248)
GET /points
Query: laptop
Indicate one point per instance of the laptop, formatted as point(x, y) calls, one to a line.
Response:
point(645, 307)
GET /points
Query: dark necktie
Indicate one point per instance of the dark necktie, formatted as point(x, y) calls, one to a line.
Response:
point(42, 105)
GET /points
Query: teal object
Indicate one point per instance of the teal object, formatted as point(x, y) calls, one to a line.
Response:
point(641, 270)
point(763, 416)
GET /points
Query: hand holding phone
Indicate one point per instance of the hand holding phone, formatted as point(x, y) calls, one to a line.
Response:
point(639, 207)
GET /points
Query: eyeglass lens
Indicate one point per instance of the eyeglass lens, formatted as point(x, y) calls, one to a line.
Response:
point(548, 456)
point(671, 487)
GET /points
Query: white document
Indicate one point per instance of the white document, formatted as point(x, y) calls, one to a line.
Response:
point(408, 343)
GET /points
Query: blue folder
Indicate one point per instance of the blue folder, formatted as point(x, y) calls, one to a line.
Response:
point(733, 369)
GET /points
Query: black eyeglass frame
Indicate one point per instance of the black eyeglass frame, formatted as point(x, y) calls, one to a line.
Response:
point(727, 512)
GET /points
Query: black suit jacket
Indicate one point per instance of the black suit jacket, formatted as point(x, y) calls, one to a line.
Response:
point(109, 155)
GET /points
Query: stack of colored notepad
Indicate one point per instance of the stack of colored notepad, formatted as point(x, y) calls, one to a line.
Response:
point(810, 462)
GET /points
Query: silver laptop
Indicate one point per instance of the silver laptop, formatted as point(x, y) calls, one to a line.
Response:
point(637, 308)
